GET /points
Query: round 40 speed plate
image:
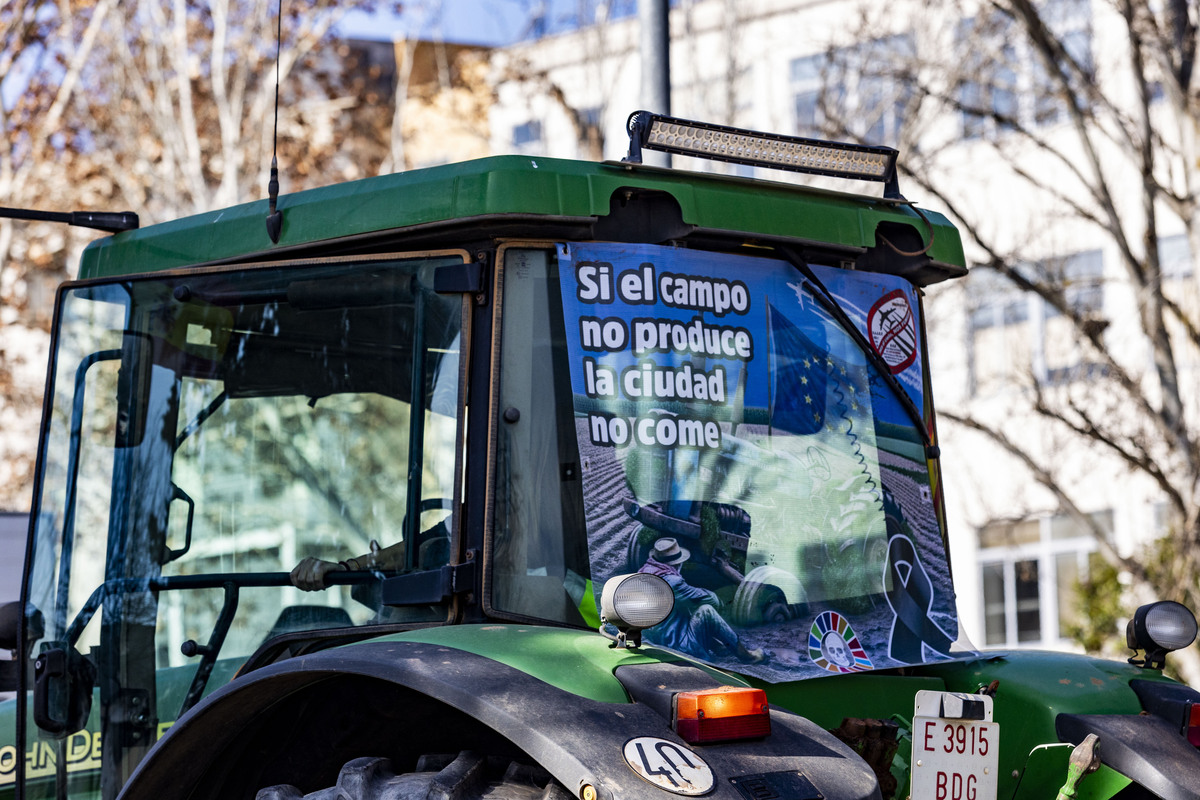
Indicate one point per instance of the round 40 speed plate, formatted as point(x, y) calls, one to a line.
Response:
point(669, 766)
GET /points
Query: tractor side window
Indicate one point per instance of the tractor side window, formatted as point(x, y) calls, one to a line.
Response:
point(210, 430)
point(539, 566)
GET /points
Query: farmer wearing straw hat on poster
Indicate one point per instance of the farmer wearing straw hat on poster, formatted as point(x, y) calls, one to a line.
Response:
point(694, 626)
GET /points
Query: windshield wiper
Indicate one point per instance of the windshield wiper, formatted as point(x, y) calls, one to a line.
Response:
point(204, 414)
point(835, 310)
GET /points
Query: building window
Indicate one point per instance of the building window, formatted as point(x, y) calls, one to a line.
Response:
point(1000, 334)
point(853, 92)
point(1175, 257)
point(1004, 83)
point(988, 104)
point(1012, 612)
point(1080, 279)
point(527, 137)
point(807, 79)
point(1014, 335)
point(1029, 571)
point(591, 142)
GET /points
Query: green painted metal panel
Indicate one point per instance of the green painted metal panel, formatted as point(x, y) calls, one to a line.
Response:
point(508, 186)
point(580, 662)
point(1050, 682)
point(1034, 688)
point(827, 701)
point(1046, 771)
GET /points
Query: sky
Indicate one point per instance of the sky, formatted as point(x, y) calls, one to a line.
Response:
point(490, 22)
point(493, 23)
point(487, 22)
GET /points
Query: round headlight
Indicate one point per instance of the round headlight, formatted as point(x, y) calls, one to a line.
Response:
point(1159, 628)
point(632, 603)
point(1170, 625)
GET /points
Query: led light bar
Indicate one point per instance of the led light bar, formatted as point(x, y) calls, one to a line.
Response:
point(793, 153)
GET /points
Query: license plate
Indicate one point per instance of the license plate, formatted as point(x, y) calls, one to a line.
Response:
point(956, 747)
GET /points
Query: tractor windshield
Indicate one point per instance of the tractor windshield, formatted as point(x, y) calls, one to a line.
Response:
point(208, 432)
point(750, 430)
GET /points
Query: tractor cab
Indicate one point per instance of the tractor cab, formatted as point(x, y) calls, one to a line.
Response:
point(549, 421)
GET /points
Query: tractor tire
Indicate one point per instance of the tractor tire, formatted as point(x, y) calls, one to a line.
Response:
point(761, 600)
point(467, 776)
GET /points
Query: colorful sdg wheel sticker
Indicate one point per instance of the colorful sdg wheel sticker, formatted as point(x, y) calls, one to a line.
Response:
point(833, 645)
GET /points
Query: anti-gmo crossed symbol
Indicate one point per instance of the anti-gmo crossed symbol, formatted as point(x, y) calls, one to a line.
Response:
point(893, 331)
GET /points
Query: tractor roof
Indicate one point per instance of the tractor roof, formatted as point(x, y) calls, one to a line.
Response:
point(529, 197)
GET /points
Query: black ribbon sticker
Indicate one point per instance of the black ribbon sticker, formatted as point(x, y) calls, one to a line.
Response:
point(911, 597)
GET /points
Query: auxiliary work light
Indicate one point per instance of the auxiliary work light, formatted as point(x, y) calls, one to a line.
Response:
point(1158, 628)
point(721, 714)
point(632, 603)
point(739, 146)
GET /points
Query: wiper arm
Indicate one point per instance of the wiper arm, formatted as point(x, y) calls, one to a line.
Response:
point(204, 414)
point(835, 310)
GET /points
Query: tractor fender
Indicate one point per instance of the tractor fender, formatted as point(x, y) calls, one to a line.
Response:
point(245, 727)
point(1144, 748)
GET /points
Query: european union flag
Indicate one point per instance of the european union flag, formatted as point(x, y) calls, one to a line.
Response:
point(799, 375)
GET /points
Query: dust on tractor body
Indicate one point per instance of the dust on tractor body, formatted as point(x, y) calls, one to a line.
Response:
point(533, 478)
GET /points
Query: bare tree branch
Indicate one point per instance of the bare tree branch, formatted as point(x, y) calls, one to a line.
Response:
point(1046, 479)
point(1105, 145)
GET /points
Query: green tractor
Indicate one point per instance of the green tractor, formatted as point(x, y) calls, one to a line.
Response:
point(530, 478)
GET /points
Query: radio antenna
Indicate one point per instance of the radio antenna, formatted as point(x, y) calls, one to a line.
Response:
point(108, 221)
point(274, 216)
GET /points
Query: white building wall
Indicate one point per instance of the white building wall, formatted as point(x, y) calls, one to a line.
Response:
point(730, 64)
